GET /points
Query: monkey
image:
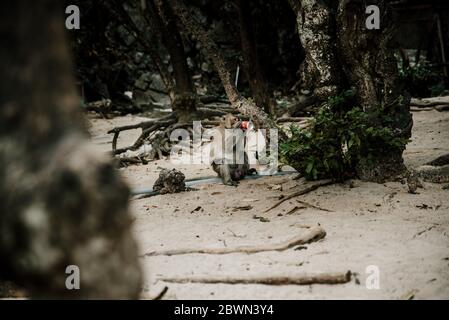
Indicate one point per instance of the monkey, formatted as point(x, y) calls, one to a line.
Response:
point(230, 173)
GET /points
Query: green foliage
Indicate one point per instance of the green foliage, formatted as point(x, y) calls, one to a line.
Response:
point(337, 138)
point(422, 80)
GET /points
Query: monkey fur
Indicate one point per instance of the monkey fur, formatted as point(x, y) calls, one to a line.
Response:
point(230, 173)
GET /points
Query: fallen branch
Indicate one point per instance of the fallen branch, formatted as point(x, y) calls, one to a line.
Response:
point(165, 124)
point(440, 161)
point(293, 119)
point(430, 102)
point(441, 108)
point(98, 106)
point(425, 230)
point(309, 205)
point(147, 128)
point(292, 211)
point(300, 193)
point(315, 234)
point(304, 279)
point(161, 294)
point(419, 109)
point(125, 161)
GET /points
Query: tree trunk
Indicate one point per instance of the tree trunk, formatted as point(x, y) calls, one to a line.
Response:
point(213, 52)
point(370, 66)
point(148, 40)
point(185, 97)
point(61, 203)
point(342, 54)
point(257, 81)
point(320, 71)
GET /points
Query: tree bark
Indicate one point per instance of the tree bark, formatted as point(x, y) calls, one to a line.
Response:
point(185, 97)
point(213, 52)
point(148, 41)
point(342, 54)
point(370, 66)
point(61, 203)
point(256, 78)
point(320, 71)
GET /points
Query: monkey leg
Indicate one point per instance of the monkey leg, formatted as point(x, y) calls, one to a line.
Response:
point(225, 173)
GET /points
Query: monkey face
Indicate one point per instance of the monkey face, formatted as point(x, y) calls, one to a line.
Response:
point(238, 174)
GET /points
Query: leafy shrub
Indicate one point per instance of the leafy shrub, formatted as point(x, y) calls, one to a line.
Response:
point(422, 80)
point(337, 138)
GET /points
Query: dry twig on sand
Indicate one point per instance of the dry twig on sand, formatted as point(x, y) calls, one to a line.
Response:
point(302, 192)
point(303, 279)
point(315, 233)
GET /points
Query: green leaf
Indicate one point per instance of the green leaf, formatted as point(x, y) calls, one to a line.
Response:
point(309, 167)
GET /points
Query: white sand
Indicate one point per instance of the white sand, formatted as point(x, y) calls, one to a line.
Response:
point(370, 224)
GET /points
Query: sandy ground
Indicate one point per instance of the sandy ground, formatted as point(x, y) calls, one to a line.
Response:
point(405, 236)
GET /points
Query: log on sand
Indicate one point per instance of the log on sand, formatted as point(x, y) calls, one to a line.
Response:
point(315, 233)
point(302, 279)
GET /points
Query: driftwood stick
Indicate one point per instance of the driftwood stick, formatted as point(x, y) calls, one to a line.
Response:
point(293, 119)
point(161, 294)
point(309, 205)
point(302, 279)
point(314, 234)
point(301, 192)
point(419, 109)
point(430, 102)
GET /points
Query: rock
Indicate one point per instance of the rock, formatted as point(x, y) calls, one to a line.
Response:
point(190, 62)
point(157, 83)
point(125, 35)
point(141, 85)
point(442, 108)
point(138, 57)
point(205, 67)
point(170, 181)
point(413, 182)
point(434, 174)
point(142, 100)
point(440, 161)
point(143, 82)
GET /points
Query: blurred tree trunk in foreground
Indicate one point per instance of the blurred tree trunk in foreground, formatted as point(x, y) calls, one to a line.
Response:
point(61, 203)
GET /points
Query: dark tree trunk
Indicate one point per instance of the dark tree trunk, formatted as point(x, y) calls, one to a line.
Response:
point(320, 70)
point(185, 98)
point(148, 40)
point(370, 66)
point(253, 70)
point(61, 203)
point(340, 50)
point(213, 53)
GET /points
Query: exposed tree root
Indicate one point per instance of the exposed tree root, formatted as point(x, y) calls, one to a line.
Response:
point(303, 279)
point(434, 174)
point(147, 128)
point(435, 171)
point(437, 103)
point(309, 205)
point(126, 161)
point(157, 132)
point(293, 119)
point(430, 102)
point(161, 294)
point(301, 192)
point(316, 233)
point(440, 161)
